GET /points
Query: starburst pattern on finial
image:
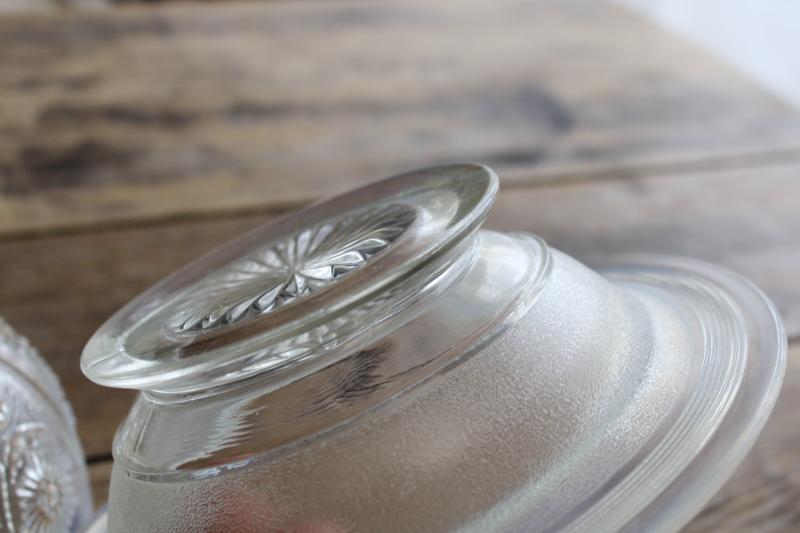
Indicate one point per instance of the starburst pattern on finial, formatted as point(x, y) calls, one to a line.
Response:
point(284, 271)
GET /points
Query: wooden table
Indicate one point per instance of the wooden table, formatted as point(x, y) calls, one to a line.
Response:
point(133, 140)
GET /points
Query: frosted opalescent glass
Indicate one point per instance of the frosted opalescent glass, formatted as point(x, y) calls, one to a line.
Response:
point(378, 363)
point(500, 427)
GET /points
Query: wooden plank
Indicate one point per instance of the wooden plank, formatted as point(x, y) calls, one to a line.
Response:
point(763, 494)
point(12, 6)
point(100, 477)
point(153, 113)
point(761, 497)
point(53, 6)
point(57, 290)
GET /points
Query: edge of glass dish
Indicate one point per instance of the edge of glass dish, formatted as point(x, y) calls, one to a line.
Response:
point(699, 475)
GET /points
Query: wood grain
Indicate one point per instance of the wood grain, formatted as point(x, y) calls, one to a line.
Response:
point(164, 113)
point(132, 141)
point(99, 478)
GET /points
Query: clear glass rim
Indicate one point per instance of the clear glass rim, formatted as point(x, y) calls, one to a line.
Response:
point(450, 202)
point(680, 479)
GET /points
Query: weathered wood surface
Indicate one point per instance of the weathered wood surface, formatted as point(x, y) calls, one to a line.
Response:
point(121, 135)
point(53, 6)
point(164, 113)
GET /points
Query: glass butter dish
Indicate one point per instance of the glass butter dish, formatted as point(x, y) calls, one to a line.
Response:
point(44, 487)
point(378, 362)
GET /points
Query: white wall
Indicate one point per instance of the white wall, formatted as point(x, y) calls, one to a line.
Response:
point(759, 37)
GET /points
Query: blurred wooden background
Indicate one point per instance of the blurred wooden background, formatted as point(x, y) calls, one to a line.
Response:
point(133, 139)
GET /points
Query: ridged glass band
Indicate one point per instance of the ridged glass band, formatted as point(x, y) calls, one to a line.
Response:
point(741, 359)
point(721, 359)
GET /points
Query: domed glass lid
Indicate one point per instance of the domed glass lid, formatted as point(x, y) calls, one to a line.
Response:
point(386, 332)
point(274, 297)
